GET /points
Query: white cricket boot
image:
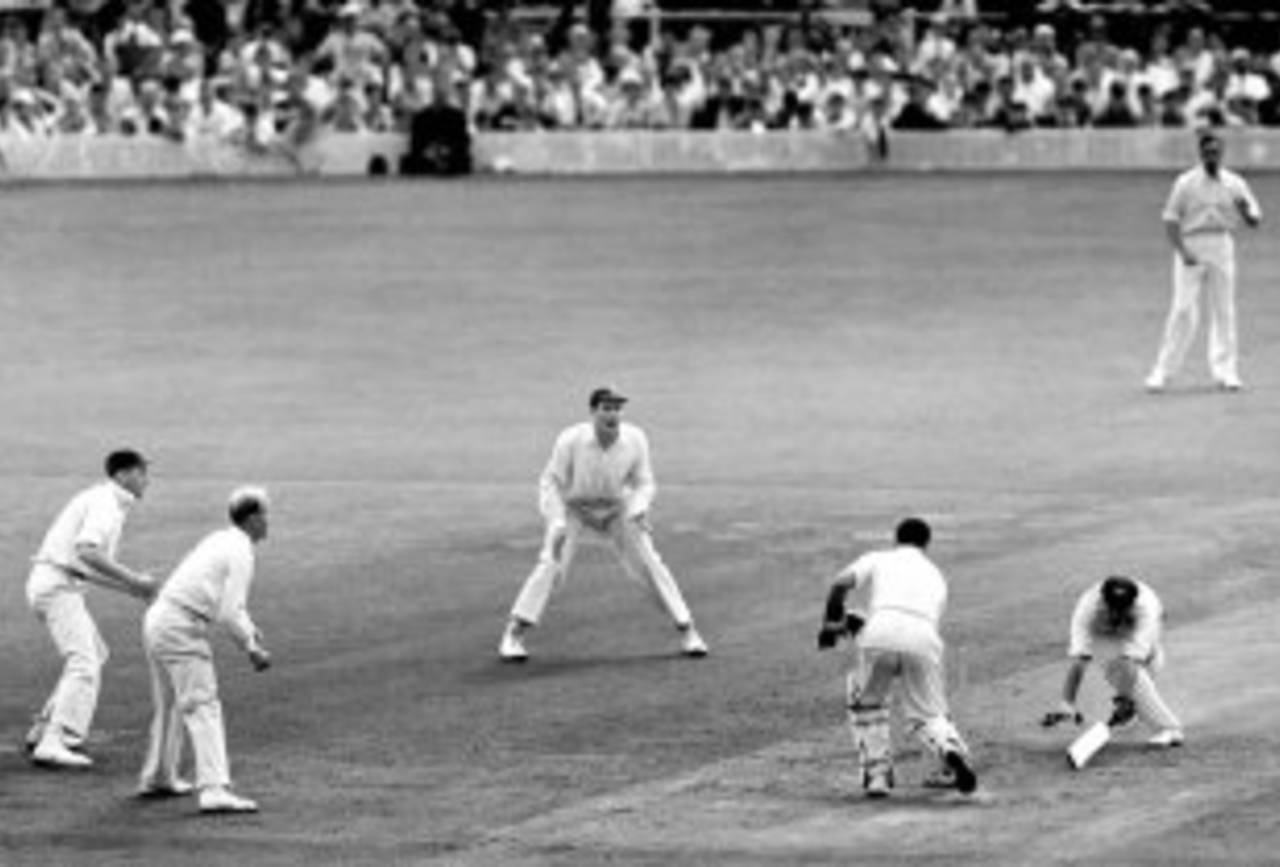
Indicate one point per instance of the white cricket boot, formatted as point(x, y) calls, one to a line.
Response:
point(512, 648)
point(51, 752)
point(220, 799)
point(1166, 738)
point(691, 643)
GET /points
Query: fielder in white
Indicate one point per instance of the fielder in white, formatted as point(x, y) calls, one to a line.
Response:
point(1206, 205)
point(210, 586)
point(1119, 621)
point(80, 547)
point(900, 646)
point(599, 485)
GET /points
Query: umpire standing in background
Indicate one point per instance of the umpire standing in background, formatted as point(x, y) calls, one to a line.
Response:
point(1206, 205)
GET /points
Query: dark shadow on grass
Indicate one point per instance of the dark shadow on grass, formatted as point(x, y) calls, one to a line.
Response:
point(499, 671)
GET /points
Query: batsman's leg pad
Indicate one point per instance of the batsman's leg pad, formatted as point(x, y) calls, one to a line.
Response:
point(869, 725)
point(940, 736)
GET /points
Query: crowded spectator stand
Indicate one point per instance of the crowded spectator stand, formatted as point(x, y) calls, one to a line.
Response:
point(271, 76)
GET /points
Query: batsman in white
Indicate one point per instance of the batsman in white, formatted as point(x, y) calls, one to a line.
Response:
point(80, 547)
point(901, 646)
point(1119, 621)
point(1206, 205)
point(598, 484)
point(210, 586)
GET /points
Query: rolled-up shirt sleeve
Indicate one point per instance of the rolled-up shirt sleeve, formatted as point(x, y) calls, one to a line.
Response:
point(1081, 640)
point(234, 611)
point(1241, 188)
point(555, 479)
point(1148, 614)
point(643, 485)
point(1176, 206)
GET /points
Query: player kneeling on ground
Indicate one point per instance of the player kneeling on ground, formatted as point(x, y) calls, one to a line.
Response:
point(900, 645)
point(1119, 620)
point(211, 585)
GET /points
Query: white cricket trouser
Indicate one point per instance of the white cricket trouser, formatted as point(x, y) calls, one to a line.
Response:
point(631, 543)
point(1215, 276)
point(903, 650)
point(60, 606)
point(184, 689)
point(1136, 680)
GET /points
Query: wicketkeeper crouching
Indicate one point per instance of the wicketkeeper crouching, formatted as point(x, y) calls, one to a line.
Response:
point(1119, 620)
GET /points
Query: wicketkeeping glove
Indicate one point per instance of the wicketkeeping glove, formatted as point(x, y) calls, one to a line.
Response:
point(1057, 717)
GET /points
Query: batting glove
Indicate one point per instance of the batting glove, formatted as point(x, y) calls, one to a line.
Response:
point(829, 635)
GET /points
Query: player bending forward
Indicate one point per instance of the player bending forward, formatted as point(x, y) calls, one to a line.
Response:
point(211, 585)
point(1119, 621)
point(900, 646)
point(598, 484)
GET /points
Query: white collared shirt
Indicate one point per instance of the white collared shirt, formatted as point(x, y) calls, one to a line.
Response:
point(579, 470)
point(95, 517)
point(1200, 203)
point(1091, 635)
point(213, 580)
point(901, 579)
point(904, 594)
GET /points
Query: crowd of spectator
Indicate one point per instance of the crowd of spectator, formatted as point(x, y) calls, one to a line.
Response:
point(258, 71)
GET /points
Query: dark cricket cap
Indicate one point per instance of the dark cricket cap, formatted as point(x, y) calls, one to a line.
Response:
point(1119, 592)
point(605, 394)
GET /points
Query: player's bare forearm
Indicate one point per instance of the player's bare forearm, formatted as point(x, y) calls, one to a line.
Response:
point(1173, 232)
point(105, 572)
point(1075, 675)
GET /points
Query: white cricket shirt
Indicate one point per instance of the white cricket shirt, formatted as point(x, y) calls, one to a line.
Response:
point(906, 595)
point(213, 580)
point(1201, 204)
point(1092, 637)
point(95, 517)
point(580, 470)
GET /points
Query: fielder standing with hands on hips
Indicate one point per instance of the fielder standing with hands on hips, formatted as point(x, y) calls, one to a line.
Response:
point(1205, 207)
point(80, 547)
point(210, 586)
point(1119, 620)
point(599, 484)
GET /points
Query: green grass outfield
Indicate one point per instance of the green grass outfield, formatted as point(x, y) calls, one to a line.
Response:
point(812, 358)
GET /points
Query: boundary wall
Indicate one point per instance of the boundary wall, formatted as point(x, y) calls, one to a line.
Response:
point(643, 152)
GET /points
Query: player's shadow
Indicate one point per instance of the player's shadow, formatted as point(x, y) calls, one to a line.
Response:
point(549, 667)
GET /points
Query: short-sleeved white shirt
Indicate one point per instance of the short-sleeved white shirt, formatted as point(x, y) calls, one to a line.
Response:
point(906, 595)
point(96, 517)
point(1092, 637)
point(1199, 203)
point(580, 470)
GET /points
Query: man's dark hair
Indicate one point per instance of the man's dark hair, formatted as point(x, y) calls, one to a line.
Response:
point(914, 531)
point(1119, 593)
point(123, 460)
point(244, 510)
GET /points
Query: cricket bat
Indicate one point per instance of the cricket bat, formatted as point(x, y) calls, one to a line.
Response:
point(1086, 746)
